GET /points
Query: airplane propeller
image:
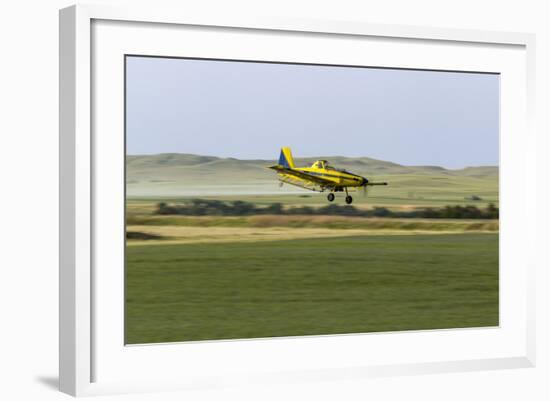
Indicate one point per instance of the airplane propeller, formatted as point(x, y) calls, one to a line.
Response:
point(365, 187)
point(367, 184)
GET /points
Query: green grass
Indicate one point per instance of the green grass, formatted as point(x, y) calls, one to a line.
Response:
point(312, 286)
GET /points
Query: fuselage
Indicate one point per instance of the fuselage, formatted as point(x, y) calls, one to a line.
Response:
point(339, 177)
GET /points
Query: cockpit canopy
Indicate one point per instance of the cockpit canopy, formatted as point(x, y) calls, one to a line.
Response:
point(323, 164)
point(320, 164)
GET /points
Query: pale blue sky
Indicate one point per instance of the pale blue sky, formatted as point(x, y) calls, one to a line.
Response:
point(249, 110)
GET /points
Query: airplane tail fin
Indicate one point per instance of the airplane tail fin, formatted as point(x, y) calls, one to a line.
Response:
point(285, 158)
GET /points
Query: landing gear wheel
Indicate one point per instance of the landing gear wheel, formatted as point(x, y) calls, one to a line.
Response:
point(330, 197)
point(349, 199)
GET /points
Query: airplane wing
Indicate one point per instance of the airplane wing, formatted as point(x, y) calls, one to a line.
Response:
point(321, 182)
point(288, 179)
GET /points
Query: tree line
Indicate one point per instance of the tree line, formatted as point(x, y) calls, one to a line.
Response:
point(207, 207)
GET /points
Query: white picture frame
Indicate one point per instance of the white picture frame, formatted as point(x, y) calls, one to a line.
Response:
point(87, 339)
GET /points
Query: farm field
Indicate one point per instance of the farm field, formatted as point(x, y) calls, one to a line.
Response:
point(192, 277)
point(306, 286)
point(183, 234)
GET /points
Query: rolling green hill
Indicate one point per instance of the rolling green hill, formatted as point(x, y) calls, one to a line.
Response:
point(174, 174)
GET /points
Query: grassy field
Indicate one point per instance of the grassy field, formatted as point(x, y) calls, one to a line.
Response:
point(266, 275)
point(352, 284)
point(300, 221)
point(183, 229)
point(162, 230)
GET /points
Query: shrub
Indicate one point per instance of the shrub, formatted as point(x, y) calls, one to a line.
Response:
point(206, 207)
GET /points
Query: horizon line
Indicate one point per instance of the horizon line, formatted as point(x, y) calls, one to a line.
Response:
point(317, 158)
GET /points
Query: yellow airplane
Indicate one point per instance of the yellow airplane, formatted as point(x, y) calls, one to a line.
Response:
point(321, 176)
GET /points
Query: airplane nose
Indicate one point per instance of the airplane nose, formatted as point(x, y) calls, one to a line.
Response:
point(365, 181)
